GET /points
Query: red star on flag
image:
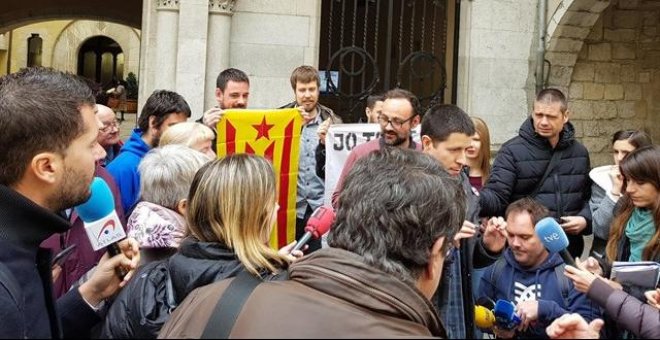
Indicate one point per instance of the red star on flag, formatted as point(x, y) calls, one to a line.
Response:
point(262, 129)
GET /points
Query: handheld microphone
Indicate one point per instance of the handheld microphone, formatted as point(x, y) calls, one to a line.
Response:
point(505, 315)
point(554, 239)
point(102, 225)
point(318, 224)
point(483, 313)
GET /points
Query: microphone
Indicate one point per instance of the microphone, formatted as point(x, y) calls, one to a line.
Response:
point(318, 224)
point(102, 225)
point(483, 317)
point(505, 315)
point(554, 239)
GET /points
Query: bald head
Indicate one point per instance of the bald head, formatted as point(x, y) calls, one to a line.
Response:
point(109, 133)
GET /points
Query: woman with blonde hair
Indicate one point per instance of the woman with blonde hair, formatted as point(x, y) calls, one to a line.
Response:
point(478, 155)
point(231, 211)
point(191, 134)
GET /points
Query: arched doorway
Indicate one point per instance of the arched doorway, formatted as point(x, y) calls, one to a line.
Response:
point(101, 59)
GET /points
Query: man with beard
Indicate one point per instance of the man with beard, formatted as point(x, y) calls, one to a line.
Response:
point(231, 92)
point(399, 116)
point(305, 83)
point(108, 133)
point(162, 110)
point(48, 117)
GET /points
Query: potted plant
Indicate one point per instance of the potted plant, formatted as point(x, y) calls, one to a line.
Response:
point(131, 92)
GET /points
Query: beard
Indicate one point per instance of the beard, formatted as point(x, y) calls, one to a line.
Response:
point(74, 190)
point(398, 140)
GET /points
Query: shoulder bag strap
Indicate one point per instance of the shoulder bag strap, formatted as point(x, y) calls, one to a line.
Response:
point(230, 305)
point(556, 157)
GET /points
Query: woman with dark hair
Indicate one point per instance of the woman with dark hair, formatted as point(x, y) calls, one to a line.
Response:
point(606, 189)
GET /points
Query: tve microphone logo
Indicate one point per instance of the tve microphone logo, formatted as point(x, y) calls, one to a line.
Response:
point(552, 237)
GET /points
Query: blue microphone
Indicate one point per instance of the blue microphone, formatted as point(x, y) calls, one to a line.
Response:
point(505, 315)
point(102, 225)
point(554, 239)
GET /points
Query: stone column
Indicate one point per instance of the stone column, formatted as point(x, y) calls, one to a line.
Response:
point(191, 53)
point(217, 51)
point(165, 58)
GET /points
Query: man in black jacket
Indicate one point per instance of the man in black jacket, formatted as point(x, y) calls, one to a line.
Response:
point(524, 167)
point(47, 159)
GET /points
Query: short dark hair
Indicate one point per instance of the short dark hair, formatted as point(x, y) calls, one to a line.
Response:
point(551, 95)
point(395, 204)
point(535, 209)
point(442, 120)
point(404, 94)
point(231, 74)
point(304, 74)
point(636, 138)
point(372, 99)
point(39, 111)
point(161, 104)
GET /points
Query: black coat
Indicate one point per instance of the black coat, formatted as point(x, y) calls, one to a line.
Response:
point(23, 226)
point(520, 165)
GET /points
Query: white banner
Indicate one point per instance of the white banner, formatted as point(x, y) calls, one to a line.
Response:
point(339, 141)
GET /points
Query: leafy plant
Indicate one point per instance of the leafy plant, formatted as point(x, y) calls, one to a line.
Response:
point(131, 86)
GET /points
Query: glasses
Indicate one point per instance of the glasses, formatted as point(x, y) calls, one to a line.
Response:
point(396, 122)
point(108, 126)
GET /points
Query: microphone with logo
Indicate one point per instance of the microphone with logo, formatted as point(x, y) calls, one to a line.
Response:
point(102, 225)
point(318, 224)
point(554, 239)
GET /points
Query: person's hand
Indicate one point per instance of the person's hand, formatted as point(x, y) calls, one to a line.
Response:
point(573, 224)
point(56, 271)
point(494, 236)
point(573, 326)
point(104, 281)
point(592, 265)
point(528, 312)
point(581, 277)
point(504, 333)
point(306, 115)
point(653, 297)
point(323, 130)
point(212, 117)
point(467, 230)
point(291, 256)
point(617, 181)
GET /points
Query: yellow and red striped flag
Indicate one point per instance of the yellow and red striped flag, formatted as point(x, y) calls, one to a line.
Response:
point(274, 134)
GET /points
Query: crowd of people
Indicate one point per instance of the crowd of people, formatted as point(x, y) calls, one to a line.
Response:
point(425, 228)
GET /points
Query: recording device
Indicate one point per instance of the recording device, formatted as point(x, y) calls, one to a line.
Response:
point(59, 259)
point(102, 225)
point(505, 315)
point(483, 313)
point(318, 224)
point(554, 239)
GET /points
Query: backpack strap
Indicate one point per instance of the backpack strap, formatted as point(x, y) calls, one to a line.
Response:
point(231, 303)
point(556, 157)
point(498, 267)
point(563, 283)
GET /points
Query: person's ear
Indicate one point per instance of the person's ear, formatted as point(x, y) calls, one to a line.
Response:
point(47, 167)
point(436, 258)
point(427, 142)
point(182, 207)
point(218, 94)
point(566, 114)
point(415, 121)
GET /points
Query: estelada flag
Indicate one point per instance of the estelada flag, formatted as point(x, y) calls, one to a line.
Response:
point(274, 134)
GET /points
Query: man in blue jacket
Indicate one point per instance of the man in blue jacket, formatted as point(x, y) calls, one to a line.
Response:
point(162, 110)
point(531, 277)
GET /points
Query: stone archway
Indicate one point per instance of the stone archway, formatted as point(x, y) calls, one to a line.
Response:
point(568, 27)
point(67, 46)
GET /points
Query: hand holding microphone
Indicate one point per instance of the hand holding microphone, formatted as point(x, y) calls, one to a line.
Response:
point(318, 224)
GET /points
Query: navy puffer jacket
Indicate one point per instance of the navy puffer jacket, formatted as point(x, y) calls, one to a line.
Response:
point(520, 165)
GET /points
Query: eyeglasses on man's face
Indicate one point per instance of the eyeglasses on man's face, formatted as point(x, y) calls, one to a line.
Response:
point(107, 127)
point(396, 122)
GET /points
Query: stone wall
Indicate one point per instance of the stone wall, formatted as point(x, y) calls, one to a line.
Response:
point(616, 80)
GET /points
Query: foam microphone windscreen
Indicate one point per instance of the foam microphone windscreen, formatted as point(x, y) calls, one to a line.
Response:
point(552, 235)
point(100, 203)
point(320, 221)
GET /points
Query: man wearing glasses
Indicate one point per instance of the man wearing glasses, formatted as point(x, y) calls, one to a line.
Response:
point(399, 116)
point(109, 133)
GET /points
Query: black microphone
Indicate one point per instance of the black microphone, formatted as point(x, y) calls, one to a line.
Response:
point(318, 224)
point(554, 239)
